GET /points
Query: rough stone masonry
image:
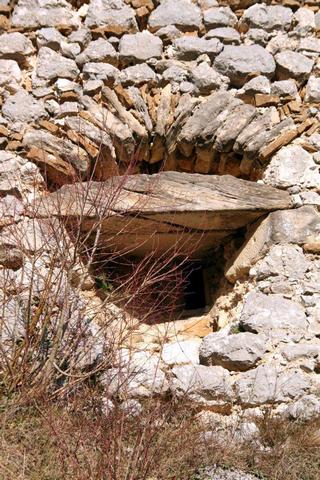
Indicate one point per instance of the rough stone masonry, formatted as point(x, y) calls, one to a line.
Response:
point(90, 89)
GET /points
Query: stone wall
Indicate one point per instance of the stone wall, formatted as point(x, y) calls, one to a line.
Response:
point(93, 89)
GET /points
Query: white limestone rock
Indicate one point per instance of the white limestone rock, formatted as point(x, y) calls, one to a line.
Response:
point(10, 75)
point(23, 107)
point(272, 313)
point(49, 37)
point(226, 35)
point(98, 51)
point(259, 84)
point(51, 65)
point(219, 17)
point(295, 352)
point(183, 14)
point(202, 383)
point(304, 21)
point(101, 71)
point(306, 408)
point(138, 375)
point(137, 75)
point(184, 351)
point(139, 47)
point(15, 46)
point(206, 78)
point(190, 48)
point(313, 89)
point(269, 18)
point(266, 384)
point(288, 261)
point(237, 352)
point(112, 16)
point(292, 165)
point(309, 46)
point(32, 14)
point(293, 65)
point(284, 88)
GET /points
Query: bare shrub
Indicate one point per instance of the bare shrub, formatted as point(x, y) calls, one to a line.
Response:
point(53, 335)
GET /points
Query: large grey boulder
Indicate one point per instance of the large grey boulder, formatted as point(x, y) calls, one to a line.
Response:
point(293, 65)
point(31, 14)
point(272, 313)
point(10, 75)
point(202, 383)
point(52, 65)
point(23, 107)
point(219, 17)
point(184, 14)
point(139, 47)
point(15, 46)
point(98, 51)
point(190, 48)
point(238, 352)
point(269, 18)
point(237, 62)
point(111, 16)
point(292, 165)
point(267, 385)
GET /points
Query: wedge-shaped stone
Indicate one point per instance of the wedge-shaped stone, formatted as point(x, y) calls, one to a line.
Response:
point(67, 150)
point(206, 119)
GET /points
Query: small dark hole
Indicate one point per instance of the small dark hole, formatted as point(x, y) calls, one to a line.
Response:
point(194, 292)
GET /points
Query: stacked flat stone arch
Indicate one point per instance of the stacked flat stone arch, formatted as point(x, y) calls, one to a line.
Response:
point(207, 87)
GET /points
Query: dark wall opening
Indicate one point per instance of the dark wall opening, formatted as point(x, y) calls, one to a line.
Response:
point(194, 288)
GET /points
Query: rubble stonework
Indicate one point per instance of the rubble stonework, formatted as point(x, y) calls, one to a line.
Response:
point(195, 87)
